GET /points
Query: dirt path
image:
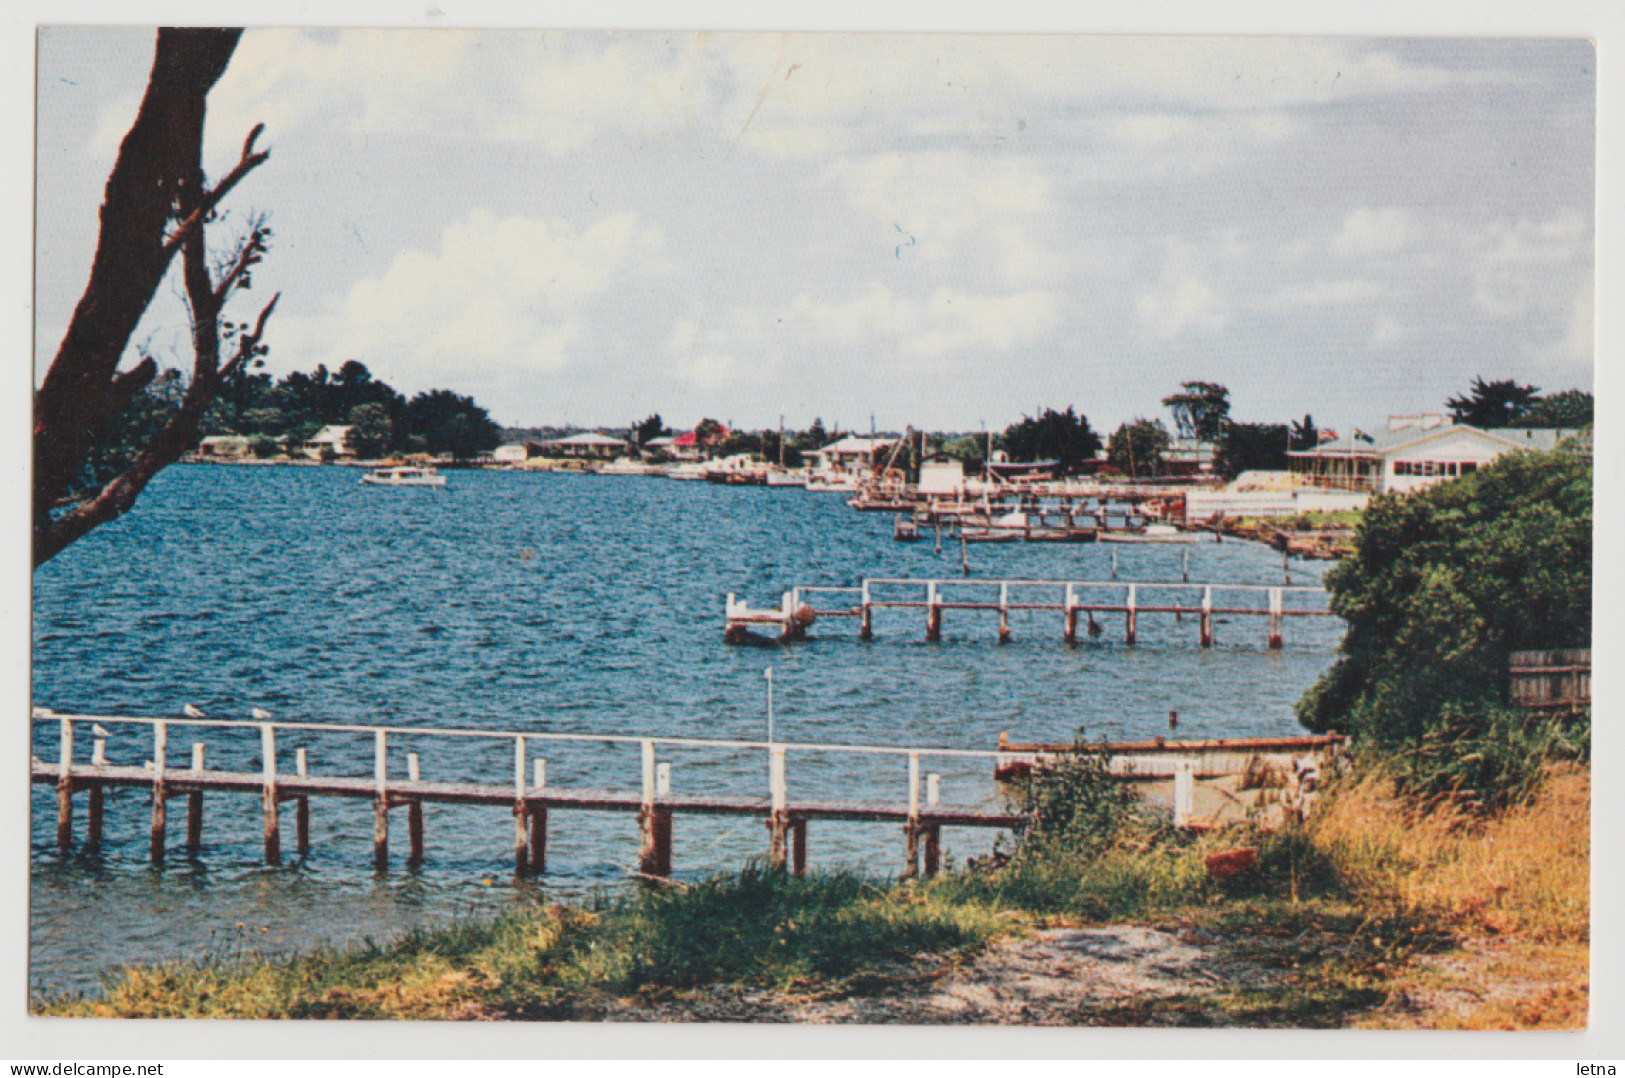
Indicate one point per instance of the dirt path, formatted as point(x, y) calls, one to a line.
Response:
point(1170, 975)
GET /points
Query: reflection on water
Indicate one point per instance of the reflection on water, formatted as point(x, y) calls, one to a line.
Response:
point(553, 603)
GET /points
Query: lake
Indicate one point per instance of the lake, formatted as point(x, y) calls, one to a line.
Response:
point(560, 603)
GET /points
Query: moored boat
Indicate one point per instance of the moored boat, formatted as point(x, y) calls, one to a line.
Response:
point(406, 476)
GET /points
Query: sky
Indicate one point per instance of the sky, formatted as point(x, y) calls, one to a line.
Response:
point(581, 228)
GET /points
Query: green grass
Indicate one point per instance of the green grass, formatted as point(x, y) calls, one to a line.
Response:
point(830, 933)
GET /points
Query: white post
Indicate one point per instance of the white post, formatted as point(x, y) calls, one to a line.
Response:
point(662, 779)
point(1184, 788)
point(65, 757)
point(769, 676)
point(267, 754)
point(519, 767)
point(775, 777)
point(98, 752)
point(160, 747)
point(299, 762)
point(412, 766)
point(541, 774)
point(197, 757)
point(933, 788)
point(648, 772)
point(913, 784)
point(380, 760)
point(728, 612)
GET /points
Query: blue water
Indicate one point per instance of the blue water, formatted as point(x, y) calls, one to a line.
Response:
point(510, 601)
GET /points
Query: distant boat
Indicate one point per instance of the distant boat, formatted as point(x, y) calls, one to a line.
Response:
point(1153, 533)
point(777, 478)
point(833, 483)
point(630, 467)
point(404, 477)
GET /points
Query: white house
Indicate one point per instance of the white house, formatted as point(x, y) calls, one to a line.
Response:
point(226, 447)
point(1413, 452)
point(514, 452)
point(852, 454)
point(334, 439)
point(589, 445)
point(942, 475)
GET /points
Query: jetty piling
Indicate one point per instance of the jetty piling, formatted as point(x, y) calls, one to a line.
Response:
point(301, 808)
point(160, 793)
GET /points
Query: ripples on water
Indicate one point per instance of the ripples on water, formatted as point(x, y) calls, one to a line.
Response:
point(559, 603)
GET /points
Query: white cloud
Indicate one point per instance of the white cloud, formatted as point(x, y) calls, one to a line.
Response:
point(1375, 233)
point(1338, 293)
point(1521, 267)
point(958, 208)
point(504, 295)
point(1184, 300)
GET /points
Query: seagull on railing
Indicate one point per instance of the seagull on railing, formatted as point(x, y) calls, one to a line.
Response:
point(99, 730)
point(192, 712)
point(259, 713)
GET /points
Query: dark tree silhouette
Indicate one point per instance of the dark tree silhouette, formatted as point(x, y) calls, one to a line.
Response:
point(1493, 404)
point(1304, 435)
point(157, 204)
point(1200, 411)
point(1063, 437)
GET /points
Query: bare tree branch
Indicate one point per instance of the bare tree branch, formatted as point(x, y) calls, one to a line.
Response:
point(156, 180)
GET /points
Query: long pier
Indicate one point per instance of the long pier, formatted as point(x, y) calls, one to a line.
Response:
point(528, 797)
point(1071, 599)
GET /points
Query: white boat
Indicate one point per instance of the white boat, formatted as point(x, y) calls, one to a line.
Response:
point(691, 472)
point(630, 467)
point(777, 478)
point(404, 477)
point(833, 483)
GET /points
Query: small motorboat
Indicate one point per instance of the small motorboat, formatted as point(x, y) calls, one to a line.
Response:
point(404, 477)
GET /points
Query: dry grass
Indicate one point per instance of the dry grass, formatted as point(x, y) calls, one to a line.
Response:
point(1526, 871)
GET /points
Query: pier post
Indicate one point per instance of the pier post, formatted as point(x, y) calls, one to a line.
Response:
point(1129, 617)
point(865, 628)
point(1004, 612)
point(1207, 617)
point(933, 613)
point(1071, 605)
point(194, 804)
point(64, 789)
point(414, 815)
point(521, 810)
point(273, 823)
point(1185, 567)
point(933, 832)
point(95, 797)
point(798, 846)
point(911, 829)
point(380, 805)
point(1184, 790)
point(654, 821)
point(301, 809)
point(1114, 563)
point(538, 838)
point(778, 820)
point(160, 747)
point(1275, 618)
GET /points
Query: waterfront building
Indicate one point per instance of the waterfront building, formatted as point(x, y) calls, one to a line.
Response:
point(515, 452)
point(588, 446)
point(225, 447)
point(1413, 452)
point(851, 455)
point(332, 440)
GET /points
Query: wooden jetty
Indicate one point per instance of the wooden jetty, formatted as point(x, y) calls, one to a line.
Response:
point(1156, 759)
point(1072, 599)
point(528, 797)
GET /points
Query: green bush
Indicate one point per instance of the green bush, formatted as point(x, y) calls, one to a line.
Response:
point(1443, 585)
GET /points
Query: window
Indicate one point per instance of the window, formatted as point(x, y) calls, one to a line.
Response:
point(1468, 467)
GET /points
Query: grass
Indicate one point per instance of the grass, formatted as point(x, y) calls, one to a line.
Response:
point(831, 933)
point(1377, 914)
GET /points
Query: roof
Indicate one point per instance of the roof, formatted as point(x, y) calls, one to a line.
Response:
point(588, 438)
point(332, 433)
point(853, 444)
point(690, 438)
point(1382, 442)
